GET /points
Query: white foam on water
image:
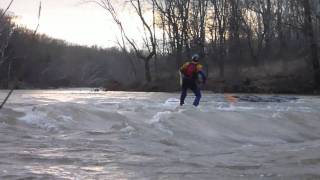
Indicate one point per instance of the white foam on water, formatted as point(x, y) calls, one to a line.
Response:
point(128, 129)
point(39, 119)
point(160, 116)
point(157, 119)
point(229, 107)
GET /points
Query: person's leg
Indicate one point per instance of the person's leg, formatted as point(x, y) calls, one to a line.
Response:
point(183, 93)
point(197, 93)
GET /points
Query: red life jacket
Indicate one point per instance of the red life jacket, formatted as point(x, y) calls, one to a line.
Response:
point(190, 70)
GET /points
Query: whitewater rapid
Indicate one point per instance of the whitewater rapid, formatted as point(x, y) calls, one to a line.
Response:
point(82, 134)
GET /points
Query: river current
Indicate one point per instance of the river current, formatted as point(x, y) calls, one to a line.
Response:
point(81, 134)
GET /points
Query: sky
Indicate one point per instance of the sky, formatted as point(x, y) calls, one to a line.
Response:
point(72, 20)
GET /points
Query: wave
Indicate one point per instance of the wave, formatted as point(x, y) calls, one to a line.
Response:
point(234, 123)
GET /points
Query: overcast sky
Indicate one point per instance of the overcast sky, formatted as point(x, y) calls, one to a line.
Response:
point(71, 20)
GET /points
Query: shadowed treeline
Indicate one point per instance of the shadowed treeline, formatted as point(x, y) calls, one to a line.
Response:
point(38, 61)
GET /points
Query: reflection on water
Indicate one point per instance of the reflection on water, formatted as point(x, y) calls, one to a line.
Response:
point(80, 134)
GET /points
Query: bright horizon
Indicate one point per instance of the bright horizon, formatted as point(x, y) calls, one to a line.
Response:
point(72, 21)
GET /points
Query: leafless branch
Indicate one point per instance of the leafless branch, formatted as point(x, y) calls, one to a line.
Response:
point(39, 15)
point(5, 11)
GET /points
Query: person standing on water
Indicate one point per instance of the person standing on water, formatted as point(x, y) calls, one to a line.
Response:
point(192, 74)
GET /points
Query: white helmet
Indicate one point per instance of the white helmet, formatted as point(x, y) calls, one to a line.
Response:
point(195, 57)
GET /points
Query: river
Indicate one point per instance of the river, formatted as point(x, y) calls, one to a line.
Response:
point(82, 134)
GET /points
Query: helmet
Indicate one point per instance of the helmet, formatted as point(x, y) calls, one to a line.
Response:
point(195, 57)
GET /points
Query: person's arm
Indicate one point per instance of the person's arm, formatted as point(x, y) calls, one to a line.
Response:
point(202, 74)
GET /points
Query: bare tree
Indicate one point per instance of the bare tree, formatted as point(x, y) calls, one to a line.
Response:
point(39, 15)
point(312, 41)
point(198, 24)
point(124, 49)
point(5, 33)
point(234, 27)
point(280, 10)
point(5, 11)
point(176, 16)
point(2, 58)
point(220, 21)
point(149, 43)
point(6, 30)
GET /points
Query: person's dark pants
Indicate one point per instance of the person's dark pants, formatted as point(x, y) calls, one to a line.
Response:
point(190, 84)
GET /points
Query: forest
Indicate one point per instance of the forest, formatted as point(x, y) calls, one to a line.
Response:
point(251, 46)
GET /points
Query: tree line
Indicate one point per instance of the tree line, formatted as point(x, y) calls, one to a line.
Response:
point(241, 43)
point(32, 60)
point(229, 35)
